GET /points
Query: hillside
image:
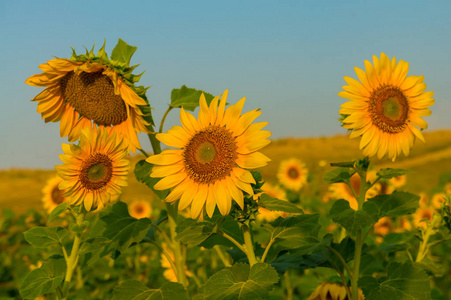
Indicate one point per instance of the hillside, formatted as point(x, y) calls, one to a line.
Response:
point(20, 189)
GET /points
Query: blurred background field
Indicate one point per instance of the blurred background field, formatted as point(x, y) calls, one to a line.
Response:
point(21, 189)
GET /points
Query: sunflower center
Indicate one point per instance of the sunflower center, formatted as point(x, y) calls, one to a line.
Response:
point(139, 209)
point(210, 155)
point(96, 171)
point(389, 109)
point(92, 95)
point(57, 195)
point(293, 173)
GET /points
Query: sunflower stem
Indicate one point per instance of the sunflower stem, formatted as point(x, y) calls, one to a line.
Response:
point(425, 238)
point(179, 261)
point(248, 245)
point(143, 152)
point(164, 118)
point(72, 260)
point(156, 146)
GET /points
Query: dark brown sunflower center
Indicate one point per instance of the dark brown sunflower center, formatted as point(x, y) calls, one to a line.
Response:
point(293, 173)
point(96, 171)
point(92, 95)
point(139, 209)
point(210, 155)
point(57, 195)
point(389, 109)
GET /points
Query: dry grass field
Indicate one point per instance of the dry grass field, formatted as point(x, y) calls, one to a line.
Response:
point(20, 189)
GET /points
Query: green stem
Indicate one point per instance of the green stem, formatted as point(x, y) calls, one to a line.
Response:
point(289, 287)
point(162, 233)
point(143, 152)
point(238, 245)
point(267, 249)
point(156, 146)
point(165, 253)
point(222, 256)
point(343, 279)
point(164, 118)
point(426, 235)
point(343, 262)
point(72, 260)
point(59, 294)
point(179, 261)
point(248, 245)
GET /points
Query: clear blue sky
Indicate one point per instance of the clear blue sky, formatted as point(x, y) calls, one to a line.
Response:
point(287, 58)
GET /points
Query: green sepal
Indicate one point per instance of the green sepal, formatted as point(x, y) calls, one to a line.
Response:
point(122, 54)
point(338, 175)
point(39, 282)
point(188, 98)
point(58, 211)
point(274, 204)
point(142, 173)
point(390, 173)
point(43, 237)
point(133, 289)
point(241, 282)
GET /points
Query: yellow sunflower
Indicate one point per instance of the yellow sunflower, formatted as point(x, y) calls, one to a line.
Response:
point(292, 174)
point(52, 195)
point(276, 192)
point(383, 226)
point(386, 107)
point(423, 213)
point(95, 171)
point(140, 209)
point(91, 90)
point(398, 182)
point(438, 199)
point(332, 291)
point(210, 168)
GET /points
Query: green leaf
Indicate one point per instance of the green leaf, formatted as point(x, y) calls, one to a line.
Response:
point(142, 174)
point(55, 265)
point(241, 282)
point(39, 282)
point(193, 233)
point(188, 98)
point(58, 211)
point(390, 173)
point(346, 164)
point(338, 175)
point(274, 204)
point(297, 232)
point(135, 290)
point(393, 205)
point(350, 219)
point(122, 229)
point(79, 228)
point(122, 54)
point(403, 282)
point(43, 237)
point(93, 249)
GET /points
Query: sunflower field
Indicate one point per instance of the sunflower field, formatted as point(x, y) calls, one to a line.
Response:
point(213, 209)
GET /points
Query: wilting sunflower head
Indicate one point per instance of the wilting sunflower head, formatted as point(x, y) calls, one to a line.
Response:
point(210, 167)
point(93, 90)
point(52, 195)
point(292, 174)
point(140, 209)
point(95, 171)
point(332, 291)
point(385, 107)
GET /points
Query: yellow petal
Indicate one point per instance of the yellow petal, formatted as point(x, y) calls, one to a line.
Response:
point(170, 181)
point(167, 157)
point(252, 161)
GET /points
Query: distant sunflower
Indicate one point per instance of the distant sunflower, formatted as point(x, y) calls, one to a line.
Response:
point(383, 226)
point(398, 182)
point(385, 107)
point(94, 172)
point(210, 168)
point(424, 213)
point(332, 291)
point(438, 199)
point(91, 90)
point(52, 195)
point(292, 174)
point(140, 209)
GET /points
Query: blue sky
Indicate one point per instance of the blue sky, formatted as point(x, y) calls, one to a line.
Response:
point(287, 58)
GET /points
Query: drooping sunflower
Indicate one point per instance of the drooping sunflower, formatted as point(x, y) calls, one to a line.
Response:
point(95, 171)
point(210, 167)
point(386, 107)
point(92, 90)
point(332, 291)
point(52, 195)
point(140, 209)
point(292, 174)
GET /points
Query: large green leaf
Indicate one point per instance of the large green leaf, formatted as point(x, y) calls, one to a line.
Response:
point(135, 290)
point(57, 211)
point(274, 204)
point(403, 282)
point(295, 232)
point(188, 98)
point(39, 282)
point(123, 229)
point(43, 237)
point(393, 205)
point(390, 173)
point(192, 232)
point(350, 219)
point(122, 54)
point(142, 174)
point(338, 175)
point(241, 282)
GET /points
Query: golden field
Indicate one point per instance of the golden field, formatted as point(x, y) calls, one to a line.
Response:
point(20, 189)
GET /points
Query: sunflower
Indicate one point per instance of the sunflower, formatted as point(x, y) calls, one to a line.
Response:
point(398, 182)
point(383, 226)
point(292, 174)
point(438, 199)
point(332, 291)
point(52, 195)
point(210, 168)
point(276, 192)
point(91, 90)
point(95, 171)
point(424, 213)
point(386, 107)
point(140, 209)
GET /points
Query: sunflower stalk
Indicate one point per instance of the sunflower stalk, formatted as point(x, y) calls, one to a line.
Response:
point(424, 247)
point(179, 260)
point(249, 247)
